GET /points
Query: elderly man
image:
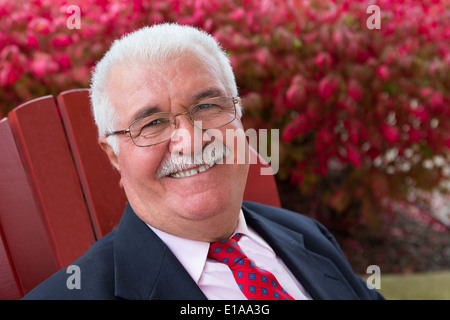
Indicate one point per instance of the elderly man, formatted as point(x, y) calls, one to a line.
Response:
point(186, 232)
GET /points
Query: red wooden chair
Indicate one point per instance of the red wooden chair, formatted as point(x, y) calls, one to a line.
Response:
point(24, 238)
point(43, 215)
point(100, 182)
point(58, 191)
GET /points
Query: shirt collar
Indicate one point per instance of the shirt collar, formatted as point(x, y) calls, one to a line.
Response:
point(249, 235)
point(193, 254)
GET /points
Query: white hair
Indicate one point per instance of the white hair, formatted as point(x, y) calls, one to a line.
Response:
point(150, 46)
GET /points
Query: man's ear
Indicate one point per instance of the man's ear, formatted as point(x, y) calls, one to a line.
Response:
point(110, 152)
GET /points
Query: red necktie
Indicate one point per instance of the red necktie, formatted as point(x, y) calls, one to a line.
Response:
point(255, 283)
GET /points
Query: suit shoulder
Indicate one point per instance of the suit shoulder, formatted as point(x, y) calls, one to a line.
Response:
point(91, 278)
point(316, 236)
point(280, 215)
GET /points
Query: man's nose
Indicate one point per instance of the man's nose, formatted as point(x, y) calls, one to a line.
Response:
point(186, 138)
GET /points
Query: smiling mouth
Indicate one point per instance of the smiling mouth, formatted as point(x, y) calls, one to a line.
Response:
point(192, 171)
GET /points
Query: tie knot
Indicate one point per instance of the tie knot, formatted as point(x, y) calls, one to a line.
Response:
point(227, 251)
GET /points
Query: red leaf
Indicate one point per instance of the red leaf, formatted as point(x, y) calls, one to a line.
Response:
point(327, 87)
point(353, 156)
point(354, 90)
point(391, 133)
point(296, 93)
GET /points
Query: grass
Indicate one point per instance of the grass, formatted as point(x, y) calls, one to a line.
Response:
point(415, 286)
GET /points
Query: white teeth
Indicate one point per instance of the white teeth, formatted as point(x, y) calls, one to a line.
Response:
point(191, 172)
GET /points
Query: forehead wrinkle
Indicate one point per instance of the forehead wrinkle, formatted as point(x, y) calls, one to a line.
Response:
point(125, 84)
point(139, 103)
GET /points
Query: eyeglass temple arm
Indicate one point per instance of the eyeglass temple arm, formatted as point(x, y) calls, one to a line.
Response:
point(117, 132)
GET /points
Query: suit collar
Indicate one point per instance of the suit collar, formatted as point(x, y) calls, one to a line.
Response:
point(145, 268)
point(318, 275)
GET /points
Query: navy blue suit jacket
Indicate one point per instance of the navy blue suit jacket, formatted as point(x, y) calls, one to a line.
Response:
point(131, 262)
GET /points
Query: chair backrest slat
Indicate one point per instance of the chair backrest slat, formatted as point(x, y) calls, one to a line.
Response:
point(10, 288)
point(100, 182)
point(25, 235)
point(45, 154)
point(260, 188)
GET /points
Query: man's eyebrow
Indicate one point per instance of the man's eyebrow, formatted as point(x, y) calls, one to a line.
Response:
point(145, 112)
point(149, 110)
point(210, 93)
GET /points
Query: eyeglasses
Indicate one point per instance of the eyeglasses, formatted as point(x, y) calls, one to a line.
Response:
point(157, 128)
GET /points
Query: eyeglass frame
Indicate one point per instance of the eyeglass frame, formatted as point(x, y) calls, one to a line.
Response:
point(187, 113)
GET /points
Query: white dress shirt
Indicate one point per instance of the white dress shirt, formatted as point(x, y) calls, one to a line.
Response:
point(215, 279)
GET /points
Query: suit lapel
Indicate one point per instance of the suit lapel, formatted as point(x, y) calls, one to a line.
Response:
point(145, 268)
point(318, 275)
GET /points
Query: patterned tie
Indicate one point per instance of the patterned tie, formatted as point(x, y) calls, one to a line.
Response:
point(255, 283)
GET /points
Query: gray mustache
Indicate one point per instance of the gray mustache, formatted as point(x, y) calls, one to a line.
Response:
point(213, 152)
